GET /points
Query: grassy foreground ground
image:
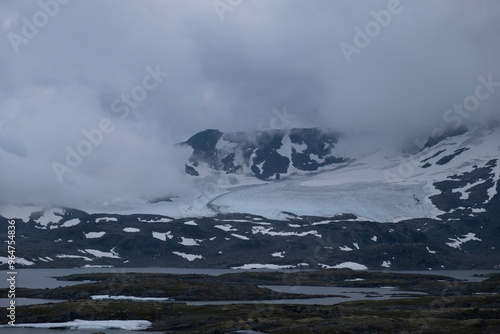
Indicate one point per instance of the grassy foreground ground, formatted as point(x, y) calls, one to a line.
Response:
point(450, 306)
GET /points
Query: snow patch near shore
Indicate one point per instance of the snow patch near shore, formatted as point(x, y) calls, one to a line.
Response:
point(138, 299)
point(263, 266)
point(132, 325)
point(348, 265)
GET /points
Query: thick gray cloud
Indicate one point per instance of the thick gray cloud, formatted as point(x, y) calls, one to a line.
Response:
point(228, 74)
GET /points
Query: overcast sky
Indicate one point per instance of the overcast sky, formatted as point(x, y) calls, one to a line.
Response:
point(229, 64)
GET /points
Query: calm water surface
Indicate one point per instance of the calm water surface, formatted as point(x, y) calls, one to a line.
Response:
point(46, 278)
point(348, 294)
point(4, 302)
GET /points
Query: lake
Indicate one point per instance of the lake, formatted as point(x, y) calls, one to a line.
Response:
point(45, 278)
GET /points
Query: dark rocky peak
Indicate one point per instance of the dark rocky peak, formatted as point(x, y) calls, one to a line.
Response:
point(449, 132)
point(267, 154)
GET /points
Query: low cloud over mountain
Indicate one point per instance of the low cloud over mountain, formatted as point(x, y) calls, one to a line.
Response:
point(158, 72)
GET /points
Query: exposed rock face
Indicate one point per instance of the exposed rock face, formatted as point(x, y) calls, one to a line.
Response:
point(235, 240)
point(266, 155)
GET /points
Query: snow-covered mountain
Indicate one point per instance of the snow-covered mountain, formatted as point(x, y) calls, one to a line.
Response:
point(450, 178)
point(299, 199)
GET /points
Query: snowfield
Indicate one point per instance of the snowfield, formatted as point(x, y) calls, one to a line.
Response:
point(278, 254)
point(132, 298)
point(50, 216)
point(19, 212)
point(239, 236)
point(265, 266)
point(106, 219)
point(131, 230)
point(319, 196)
point(268, 231)
point(162, 236)
point(189, 242)
point(19, 260)
point(97, 253)
point(71, 222)
point(348, 265)
point(457, 241)
point(225, 227)
point(94, 324)
point(189, 257)
point(394, 187)
point(94, 235)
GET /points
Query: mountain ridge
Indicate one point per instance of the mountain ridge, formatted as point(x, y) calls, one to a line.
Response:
point(261, 153)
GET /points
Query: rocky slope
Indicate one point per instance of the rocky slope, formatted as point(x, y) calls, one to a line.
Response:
point(266, 155)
